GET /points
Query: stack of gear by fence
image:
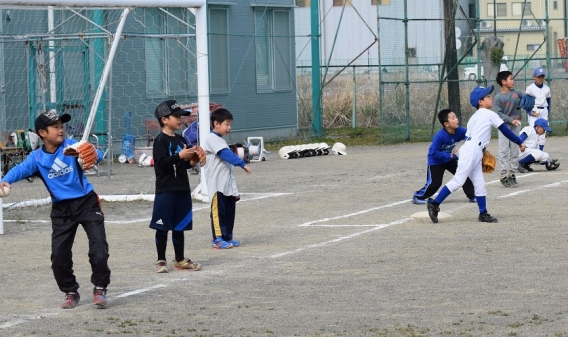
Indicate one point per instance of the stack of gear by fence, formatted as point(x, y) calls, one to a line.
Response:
point(311, 150)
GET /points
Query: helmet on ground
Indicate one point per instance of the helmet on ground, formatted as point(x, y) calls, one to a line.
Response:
point(339, 148)
point(284, 152)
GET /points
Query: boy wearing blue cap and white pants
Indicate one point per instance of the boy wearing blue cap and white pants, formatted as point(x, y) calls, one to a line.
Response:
point(541, 94)
point(476, 139)
point(529, 135)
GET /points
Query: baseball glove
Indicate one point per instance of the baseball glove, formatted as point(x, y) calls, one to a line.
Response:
point(488, 162)
point(85, 151)
point(198, 156)
point(527, 103)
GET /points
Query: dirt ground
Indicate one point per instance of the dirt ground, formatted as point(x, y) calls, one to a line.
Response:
point(331, 246)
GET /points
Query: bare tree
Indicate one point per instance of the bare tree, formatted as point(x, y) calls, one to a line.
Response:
point(491, 55)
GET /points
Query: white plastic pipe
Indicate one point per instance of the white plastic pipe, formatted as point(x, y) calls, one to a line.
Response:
point(51, 53)
point(106, 71)
point(107, 3)
point(201, 51)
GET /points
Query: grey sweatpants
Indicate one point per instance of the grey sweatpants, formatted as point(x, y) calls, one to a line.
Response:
point(508, 152)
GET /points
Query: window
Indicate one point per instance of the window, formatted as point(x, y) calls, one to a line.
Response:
point(273, 47)
point(303, 3)
point(517, 9)
point(533, 47)
point(380, 2)
point(169, 69)
point(340, 3)
point(501, 9)
point(472, 11)
point(218, 51)
point(555, 5)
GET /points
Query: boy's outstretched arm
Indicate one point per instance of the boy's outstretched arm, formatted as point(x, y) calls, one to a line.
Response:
point(231, 158)
point(25, 169)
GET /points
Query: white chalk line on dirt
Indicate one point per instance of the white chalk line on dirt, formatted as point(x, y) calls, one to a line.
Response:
point(325, 243)
point(310, 223)
point(244, 198)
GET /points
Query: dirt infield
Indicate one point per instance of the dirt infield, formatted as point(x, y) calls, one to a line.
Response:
point(330, 248)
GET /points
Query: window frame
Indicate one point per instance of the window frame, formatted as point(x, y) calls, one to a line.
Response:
point(268, 42)
point(501, 6)
point(172, 81)
point(221, 59)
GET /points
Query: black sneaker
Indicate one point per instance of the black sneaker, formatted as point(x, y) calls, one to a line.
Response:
point(506, 181)
point(552, 165)
point(432, 210)
point(513, 180)
point(527, 167)
point(486, 217)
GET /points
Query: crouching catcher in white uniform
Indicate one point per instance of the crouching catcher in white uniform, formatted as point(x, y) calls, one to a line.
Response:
point(530, 136)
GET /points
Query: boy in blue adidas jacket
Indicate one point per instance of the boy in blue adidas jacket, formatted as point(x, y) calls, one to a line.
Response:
point(74, 202)
point(442, 157)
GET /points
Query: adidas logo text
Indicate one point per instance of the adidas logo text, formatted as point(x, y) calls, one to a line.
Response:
point(58, 169)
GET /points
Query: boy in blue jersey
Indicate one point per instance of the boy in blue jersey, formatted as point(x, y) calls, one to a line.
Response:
point(74, 202)
point(442, 156)
point(172, 203)
point(220, 178)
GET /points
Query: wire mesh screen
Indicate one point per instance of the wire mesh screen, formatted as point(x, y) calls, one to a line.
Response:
point(429, 56)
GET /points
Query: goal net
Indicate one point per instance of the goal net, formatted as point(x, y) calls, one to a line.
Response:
point(107, 66)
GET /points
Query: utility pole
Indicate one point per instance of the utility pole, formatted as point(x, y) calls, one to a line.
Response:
point(452, 59)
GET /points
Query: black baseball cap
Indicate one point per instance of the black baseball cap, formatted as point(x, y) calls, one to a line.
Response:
point(48, 118)
point(170, 107)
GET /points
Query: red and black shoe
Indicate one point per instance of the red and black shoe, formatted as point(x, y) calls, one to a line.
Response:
point(99, 296)
point(71, 300)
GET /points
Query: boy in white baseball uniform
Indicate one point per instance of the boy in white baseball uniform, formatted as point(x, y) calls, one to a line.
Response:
point(476, 139)
point(529, 135)
point(541, 94)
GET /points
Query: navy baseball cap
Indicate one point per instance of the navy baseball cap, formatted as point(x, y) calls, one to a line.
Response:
point(478, 93)
point(49, 118)
point(540, 71)
point(543, 123)
point(170, 107)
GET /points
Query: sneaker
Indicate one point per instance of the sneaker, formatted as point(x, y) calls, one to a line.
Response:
point(432, 210)
point(417, 201)
point(552, 165)
point(235, 243)
point(521, 169)
point(486, 217)
point(505, 181)
point(218, 243)
point(474, 199)
point(526, 167)
point(99, 296)
point(513, 180)
point(161, 266)
point(186, 264)
point(71, 300)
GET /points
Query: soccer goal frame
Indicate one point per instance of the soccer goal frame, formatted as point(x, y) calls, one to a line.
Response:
point(197, 7)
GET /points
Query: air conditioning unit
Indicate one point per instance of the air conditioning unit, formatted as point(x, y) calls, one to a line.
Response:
point(527, 23)
point(542, 23)
point(485, 24)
